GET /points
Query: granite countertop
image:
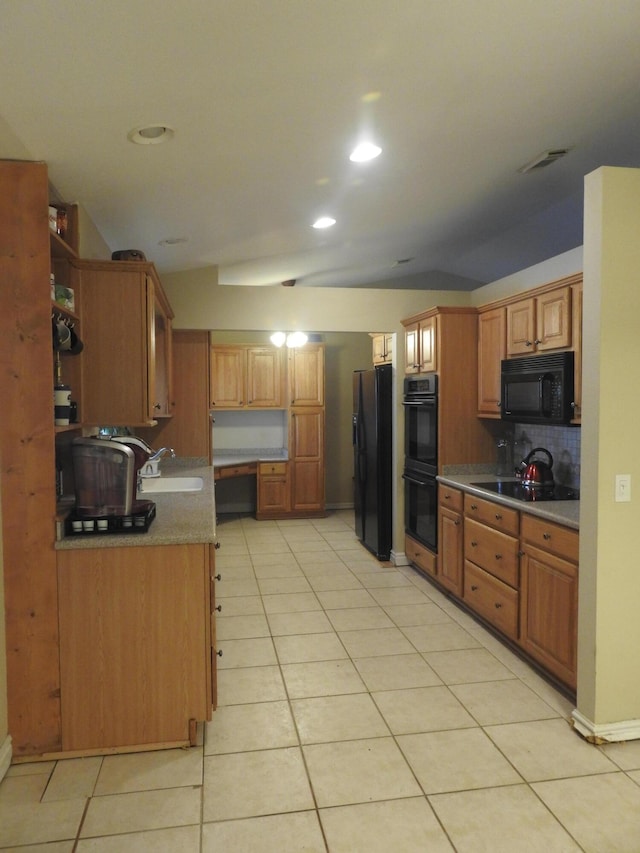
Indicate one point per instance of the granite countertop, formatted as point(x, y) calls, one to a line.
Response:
point(242, 456)
point(562, 512)
point(182, 518)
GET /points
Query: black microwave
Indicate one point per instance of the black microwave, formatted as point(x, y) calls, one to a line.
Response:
point(538, 389)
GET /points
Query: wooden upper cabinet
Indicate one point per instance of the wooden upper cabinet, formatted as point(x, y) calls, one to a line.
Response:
point(306, 375)
point(539, 323)
point(126, 325)
point(264, 377)
point(420, 345)
point(246, 377)
point(227, 376)
point(382, 347)
point(491, 351)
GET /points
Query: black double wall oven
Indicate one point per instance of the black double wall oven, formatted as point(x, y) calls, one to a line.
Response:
point(421, 458)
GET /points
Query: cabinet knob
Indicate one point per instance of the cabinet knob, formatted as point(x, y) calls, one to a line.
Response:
point(219, 608)
point(213, 402)
point(219, 653)
point(217, 546)
point(498, 516)
point(520, 553)
point(546, 536)
point(498, 556)
point(497, 605)
point(157, 406)
point(498, 403)
point(537, 341)
point(447, 497)
point(457, 522)
point(527, 343)
point(474, 506)
point(473, 587)
point(218, 577)
point(474, 544)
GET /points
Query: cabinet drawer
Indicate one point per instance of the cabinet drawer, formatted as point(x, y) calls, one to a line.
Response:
point(422, 557)
point(267, 468)
point(451, 498)
point(560, 540)
point(496, 515)
point(492, 550)
point(491, 598)
point(235, 471)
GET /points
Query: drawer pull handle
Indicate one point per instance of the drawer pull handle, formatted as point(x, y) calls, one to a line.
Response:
point(546, 536)
point(447, 497)
point(219, 653)
point(498, 517)
point(520, 553)
point(474, 544)
point(498, 556)
point(473, 588)
point(457, 522)
point(497, 605)
point(219, 608)
point(474, 506)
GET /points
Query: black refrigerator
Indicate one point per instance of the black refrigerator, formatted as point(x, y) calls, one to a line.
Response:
point(372, 449)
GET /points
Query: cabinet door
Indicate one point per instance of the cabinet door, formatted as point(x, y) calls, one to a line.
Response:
point(227, 377)
point(382, 348)
point(491, 351)
point(273, 489)
point(161, 374)
point(521, 327)
point(450, 555)
point(549, 612)
point(306, 375)
point(428, 345)
point(117, 360)
point(306, 448)
point(264, 377)
point(553, 320)
point(133, 644)
point(412, 348)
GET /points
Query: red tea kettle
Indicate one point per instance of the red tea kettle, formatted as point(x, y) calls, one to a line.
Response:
point(538, 473)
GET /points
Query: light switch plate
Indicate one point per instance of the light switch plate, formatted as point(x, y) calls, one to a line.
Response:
point(623, 487)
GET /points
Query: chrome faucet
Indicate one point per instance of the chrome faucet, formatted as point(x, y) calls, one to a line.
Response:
point(160, 453)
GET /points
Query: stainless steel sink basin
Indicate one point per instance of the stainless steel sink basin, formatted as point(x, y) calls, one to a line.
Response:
point(157, 485)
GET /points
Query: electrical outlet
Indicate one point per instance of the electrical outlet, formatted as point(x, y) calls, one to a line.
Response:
point(623, 487)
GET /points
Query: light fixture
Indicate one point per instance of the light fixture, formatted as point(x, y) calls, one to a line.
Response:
point(150, 134)
point(324, 222)
point(365, 151)
point(292, 339)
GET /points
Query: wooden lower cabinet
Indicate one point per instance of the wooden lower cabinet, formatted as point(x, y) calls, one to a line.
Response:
point(450, 537)
point(273, 490)
point(306, 460)
point(136, 662)
point(496, 601)
point(421, 557)
point(549, 597)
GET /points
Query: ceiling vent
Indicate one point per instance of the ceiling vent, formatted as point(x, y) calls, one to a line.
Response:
point(544, 159)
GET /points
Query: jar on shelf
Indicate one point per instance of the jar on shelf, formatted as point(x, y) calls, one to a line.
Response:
point(61, 222)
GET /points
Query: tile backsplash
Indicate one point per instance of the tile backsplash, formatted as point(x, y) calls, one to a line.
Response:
point(563, 443)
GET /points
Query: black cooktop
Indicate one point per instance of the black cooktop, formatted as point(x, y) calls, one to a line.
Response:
point(514, 489)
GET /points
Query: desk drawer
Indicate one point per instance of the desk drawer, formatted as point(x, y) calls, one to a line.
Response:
point(226, 471)
point(268, 468)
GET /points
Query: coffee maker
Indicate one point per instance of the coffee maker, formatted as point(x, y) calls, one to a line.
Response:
point(106, 480)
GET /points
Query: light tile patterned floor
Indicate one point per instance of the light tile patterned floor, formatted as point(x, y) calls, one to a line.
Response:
point(360, 710)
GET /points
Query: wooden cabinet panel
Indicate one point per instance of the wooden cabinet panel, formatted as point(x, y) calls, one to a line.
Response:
point(555, 538)
point(492, 327)
point(549, 612)
point(273, 489)
point(521, 327)
point(264, 377)
point(491, 598)
point(412, 348)
point(428, 345)
point(306, 375)
point(306, 450)
point(134, 648)
point(493, 551)
point(450, 498)
point(450, 550)
point(539, 323)
point(228, 377)
point(382, 348)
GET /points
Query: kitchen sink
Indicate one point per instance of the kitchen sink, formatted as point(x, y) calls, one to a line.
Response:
point(157, 485)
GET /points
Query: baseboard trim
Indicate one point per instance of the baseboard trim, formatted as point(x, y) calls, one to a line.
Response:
point(399, 558)
point(605, 732)
point(340, 506)
point(5, 757)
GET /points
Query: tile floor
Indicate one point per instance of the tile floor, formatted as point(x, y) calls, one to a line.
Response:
point(360, 710)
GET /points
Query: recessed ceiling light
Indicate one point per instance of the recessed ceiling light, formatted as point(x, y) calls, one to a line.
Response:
point(324, 222)
point(365, 151)
point(150, 134)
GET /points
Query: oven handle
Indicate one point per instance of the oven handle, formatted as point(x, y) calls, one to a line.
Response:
point(417, 482)
point(431, 403)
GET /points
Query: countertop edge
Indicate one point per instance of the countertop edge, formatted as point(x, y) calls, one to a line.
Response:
point(566, 513)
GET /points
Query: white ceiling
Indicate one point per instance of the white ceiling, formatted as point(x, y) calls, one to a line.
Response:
point(267, 98)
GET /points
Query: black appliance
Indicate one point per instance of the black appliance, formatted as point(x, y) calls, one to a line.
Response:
point(372, 451)
point(521, 492)
point(538, 389)
point(421, 458)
